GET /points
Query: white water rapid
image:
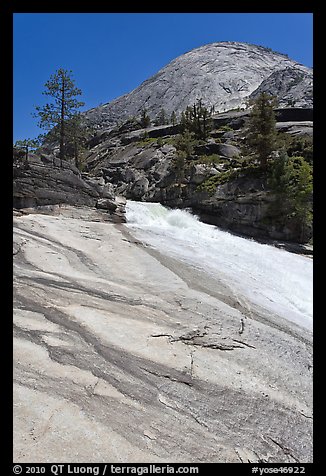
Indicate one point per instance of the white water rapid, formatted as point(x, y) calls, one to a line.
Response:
point(275, 279)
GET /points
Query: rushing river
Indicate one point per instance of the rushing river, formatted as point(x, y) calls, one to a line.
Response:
point(278, 280)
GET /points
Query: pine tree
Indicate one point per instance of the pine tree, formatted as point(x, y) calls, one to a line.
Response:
point(298, 183)
point(196, 119)
point(55, 115)
point(145, 120)
point(76, 137)
point(184, 144)
point(161, 119)
point(173, 118)
point(26, 145)
point(292, 180)
point(261, 134)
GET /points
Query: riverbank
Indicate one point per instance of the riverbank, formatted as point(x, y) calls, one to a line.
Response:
point(144, 358)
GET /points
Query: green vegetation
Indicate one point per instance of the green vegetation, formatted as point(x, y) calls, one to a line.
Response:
point(209, 159)
point(260, 132)
point(282, 162)
point(212, 183)
point(161, 118)
point(144, 120)
point(55, 115)
point(291, 180)
point(22, 148)
point(159, 141)
point(224, 128)
point(185, 144)
point(301, 145)
point(173, 118)
point(77, 133)
point(197, 119)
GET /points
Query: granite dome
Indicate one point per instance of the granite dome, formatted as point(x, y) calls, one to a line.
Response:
point(222, 74)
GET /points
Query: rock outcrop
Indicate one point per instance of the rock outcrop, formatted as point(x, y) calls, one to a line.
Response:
point(224, 75)
point(292, 86)
point(44, 182)
point(142, 165)
point(247, 206)
point(145, 359)
point(236, 119)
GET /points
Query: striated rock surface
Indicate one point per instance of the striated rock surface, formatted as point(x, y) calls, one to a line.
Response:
point(223, 74)
point(144, 359)
point(292, 86)
point(44, 183)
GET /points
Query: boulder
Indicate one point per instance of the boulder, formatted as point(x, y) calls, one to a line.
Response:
point(44, 185)
point(200, 172)
point(106, 204)
point(161, 171)
point(139, 188)
point(130, 175)
point(108, 191)
point(105, 189)
point(146, 159)
point(207, 149)
point(168, 149)
point(119, 214)
point(116, 208)
point(228, 150)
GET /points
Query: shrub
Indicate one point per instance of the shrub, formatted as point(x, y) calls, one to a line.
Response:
point(211, 183)
point(225, 128)
point(291, 180)
point(209, 159)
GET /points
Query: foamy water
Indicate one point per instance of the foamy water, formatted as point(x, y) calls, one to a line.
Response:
point(278, 280)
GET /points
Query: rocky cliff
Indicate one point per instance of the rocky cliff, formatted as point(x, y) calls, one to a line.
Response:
point(44, 183)
point(223, 74)
point(292, 86)
point(216, 182)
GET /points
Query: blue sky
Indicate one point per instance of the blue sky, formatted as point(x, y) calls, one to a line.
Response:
point(110, 54)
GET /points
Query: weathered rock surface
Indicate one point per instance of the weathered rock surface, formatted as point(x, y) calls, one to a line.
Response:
point(45, 183)
point(143, 359)
point(222, 74)
point(296, 128)
point(292, 86)
point(128, 355)
point(236, 119)
point(241, 208)
point(225, 150)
